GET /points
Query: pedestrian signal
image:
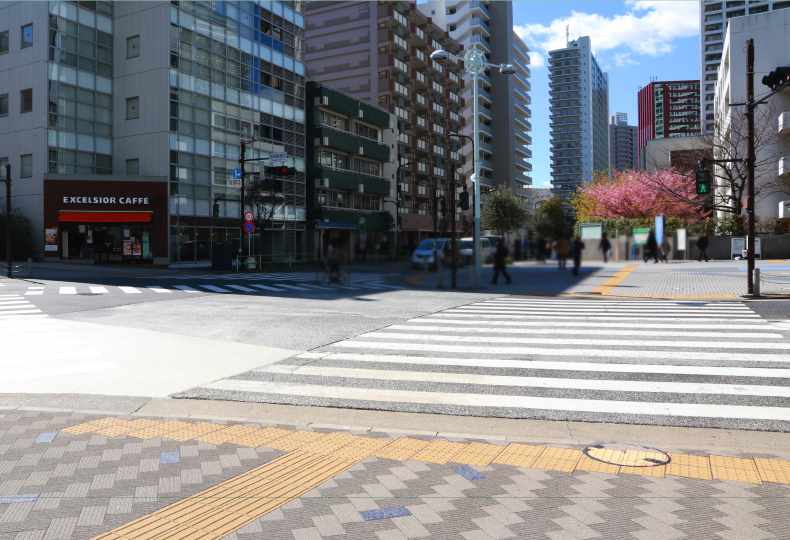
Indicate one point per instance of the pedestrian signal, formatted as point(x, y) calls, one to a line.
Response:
point(703, 182)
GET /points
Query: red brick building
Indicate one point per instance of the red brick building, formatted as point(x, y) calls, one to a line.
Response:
point(668, 110)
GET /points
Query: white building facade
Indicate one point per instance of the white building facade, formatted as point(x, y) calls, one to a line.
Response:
point(579, 117)
point(504, 100)
point(771, 49)
point(713, 18)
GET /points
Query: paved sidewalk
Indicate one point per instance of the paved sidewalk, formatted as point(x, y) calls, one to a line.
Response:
point(94, 476)
point(676, 279)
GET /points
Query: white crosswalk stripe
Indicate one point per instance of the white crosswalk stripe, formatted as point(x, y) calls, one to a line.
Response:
point(13, 306)
point(685, 363)
point(130, 290)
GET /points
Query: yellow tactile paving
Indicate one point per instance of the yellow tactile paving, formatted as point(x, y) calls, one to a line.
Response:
point(609, 284)
point(221, 436)
point(149, 432)
point(361, 448)
point(558, 459)
point(592, 465)
point(729, 468)
point(439, 452)
point(194, 431)
point(689, 466)
point(519, 455)
point(330, 443)
point(291, 440)
point(658, 471)
point(478, 454)
point(773, 470)
point(401, 449)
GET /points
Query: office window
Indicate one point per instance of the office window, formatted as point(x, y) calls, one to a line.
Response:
point(3, 163)
point(4, 105)
point(4, 42)
point(26, 166)
point(133, 47)
point(133, 167)
point(133, 108)
point(27, 36)
point(26, 100)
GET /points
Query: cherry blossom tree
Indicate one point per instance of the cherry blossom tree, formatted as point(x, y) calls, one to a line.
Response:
point(638, 194)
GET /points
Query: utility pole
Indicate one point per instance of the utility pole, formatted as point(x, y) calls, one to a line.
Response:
point(8, 218)
point(750, 159)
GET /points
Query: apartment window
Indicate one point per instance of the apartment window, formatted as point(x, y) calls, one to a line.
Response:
point(133, 108)
point(26, 166)
point(3, 163)
point(4, 42)
point(27, 36)
point(26, 100)
point(4, 105)
point(132, 167)
point(133, 47)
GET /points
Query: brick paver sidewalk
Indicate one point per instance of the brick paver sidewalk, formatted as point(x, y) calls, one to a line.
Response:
point(74, 475)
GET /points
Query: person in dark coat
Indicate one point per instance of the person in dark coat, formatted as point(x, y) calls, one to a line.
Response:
point(576, 252)
point(651, 247)
point(540, 248)
point(702, 246)
point(499, 262)
point(605, 246)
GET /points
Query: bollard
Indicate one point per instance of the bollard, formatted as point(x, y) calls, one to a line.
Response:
point(756, 283)
point(29, 268)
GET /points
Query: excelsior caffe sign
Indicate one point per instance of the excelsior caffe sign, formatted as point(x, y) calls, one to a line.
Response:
point(105, 200)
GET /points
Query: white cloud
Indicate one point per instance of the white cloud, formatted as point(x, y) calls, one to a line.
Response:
point(624, 59)
point(647, 28)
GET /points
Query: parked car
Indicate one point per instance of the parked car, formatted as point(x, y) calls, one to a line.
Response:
point(424, 253)
point(468, 250)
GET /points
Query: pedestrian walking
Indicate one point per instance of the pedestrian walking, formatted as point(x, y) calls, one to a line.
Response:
point(576, 253)
point(540, 248)
point(702, 247)
point(605, 246)
point(665, 248)
point(651, 247)
point(561, 248)
point(500, 262)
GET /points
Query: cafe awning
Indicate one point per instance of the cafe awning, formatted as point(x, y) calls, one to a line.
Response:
point(87, 216)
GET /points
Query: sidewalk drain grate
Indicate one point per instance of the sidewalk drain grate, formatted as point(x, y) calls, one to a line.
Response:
point(628, 455)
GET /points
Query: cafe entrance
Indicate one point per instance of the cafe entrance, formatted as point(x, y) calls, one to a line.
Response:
point(98, 238)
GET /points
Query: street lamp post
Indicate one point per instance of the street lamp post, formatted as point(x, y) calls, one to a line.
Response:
point(475, 61)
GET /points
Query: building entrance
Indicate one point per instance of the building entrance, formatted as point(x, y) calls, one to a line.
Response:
point(128, 243)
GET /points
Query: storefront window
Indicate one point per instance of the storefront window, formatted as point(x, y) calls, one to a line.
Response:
point(186, 239)
point(203, 244)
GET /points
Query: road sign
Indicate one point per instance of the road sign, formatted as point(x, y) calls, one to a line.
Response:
point(282, 157)
point(249, 227)
point(237, 174)
point(249, 216)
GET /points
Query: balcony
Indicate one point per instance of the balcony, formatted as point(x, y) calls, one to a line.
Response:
point(784, 167)
point(783, 124)
point(420, 80)
point(523, 94)
point(524, 179)
point(350, 180)
point(487, 147)
point(419, 56)
point(481, 42)
point(485, 94)
point(486, 129)
point(523, 82)
point(525, 111)
point(486, 164)
point(420, 101)
point(475, 4)
point(485, 112)
point(527, 152)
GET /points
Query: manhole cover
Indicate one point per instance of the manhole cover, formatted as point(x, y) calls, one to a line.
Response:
point(629, 455)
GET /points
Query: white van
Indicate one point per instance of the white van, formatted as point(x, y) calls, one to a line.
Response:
point(424, 253)
point(468, 250)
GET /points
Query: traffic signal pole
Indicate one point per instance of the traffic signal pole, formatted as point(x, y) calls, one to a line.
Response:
point(452, 224)
point(242, 160)
point(750, 159)
point(8, 219)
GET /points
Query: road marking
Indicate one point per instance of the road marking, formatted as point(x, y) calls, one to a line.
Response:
point(130, 290)
point(99, 290)
point(573, 323)
point(610, 332)
point(241, 288)
point(295, 287)
point(214, 289)
point(505, 401)
point(619, 276)
point(68, 290)
point(616, 303)
point(20, 311)
point(575, 353)
point(608, 310)
point(266, 287)
point(158, 289)
point(530, 382)
point(14, 305)
point(34, 291)
point(590, 342)
point(185, 288)
point(532, 365)
point(61, 369)
point(546, 313)
point(673, 318)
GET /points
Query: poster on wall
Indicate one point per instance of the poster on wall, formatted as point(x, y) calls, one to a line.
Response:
point(137, 249)
point(127, 249)
point(50, 240)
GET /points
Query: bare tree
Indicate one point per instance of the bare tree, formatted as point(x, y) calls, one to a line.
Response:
point(728, 141)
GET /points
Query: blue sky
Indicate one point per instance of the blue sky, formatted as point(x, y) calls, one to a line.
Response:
point(633, 41)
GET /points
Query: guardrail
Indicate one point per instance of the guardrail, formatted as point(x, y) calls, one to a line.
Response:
point(28, 265)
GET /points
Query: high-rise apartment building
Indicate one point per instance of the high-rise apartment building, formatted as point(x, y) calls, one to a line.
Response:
point(379, 52)
point(668, 109)
point(623, 146)
point(127, 122)
point(713, 17)
point(504, 100)
point(579, 117)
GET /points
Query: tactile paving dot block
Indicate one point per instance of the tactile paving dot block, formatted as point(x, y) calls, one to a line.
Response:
point(253, 440)
point(114, 431)
point(401, 449)
point(148, 432)
point(141, 423)
point(194, 431)
point(439, 452)
point(239, 430)
point(291, 440)
point(360, 449)
point(592, 465)
point(558, 459)
point(773, 470)
point(658, 471)
point(330, 443)
point(519, 455)
point(175, 425)
point(689, 466)
point(221, 436)
point(728, 468)
point(478, 454)
point(80, 429)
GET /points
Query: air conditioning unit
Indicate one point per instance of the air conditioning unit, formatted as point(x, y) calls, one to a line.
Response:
point(784, 209)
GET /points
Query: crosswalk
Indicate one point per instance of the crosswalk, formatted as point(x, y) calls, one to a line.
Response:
point(702, 364)
point(13, 306)
point(304, 288)
point(300, 275)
